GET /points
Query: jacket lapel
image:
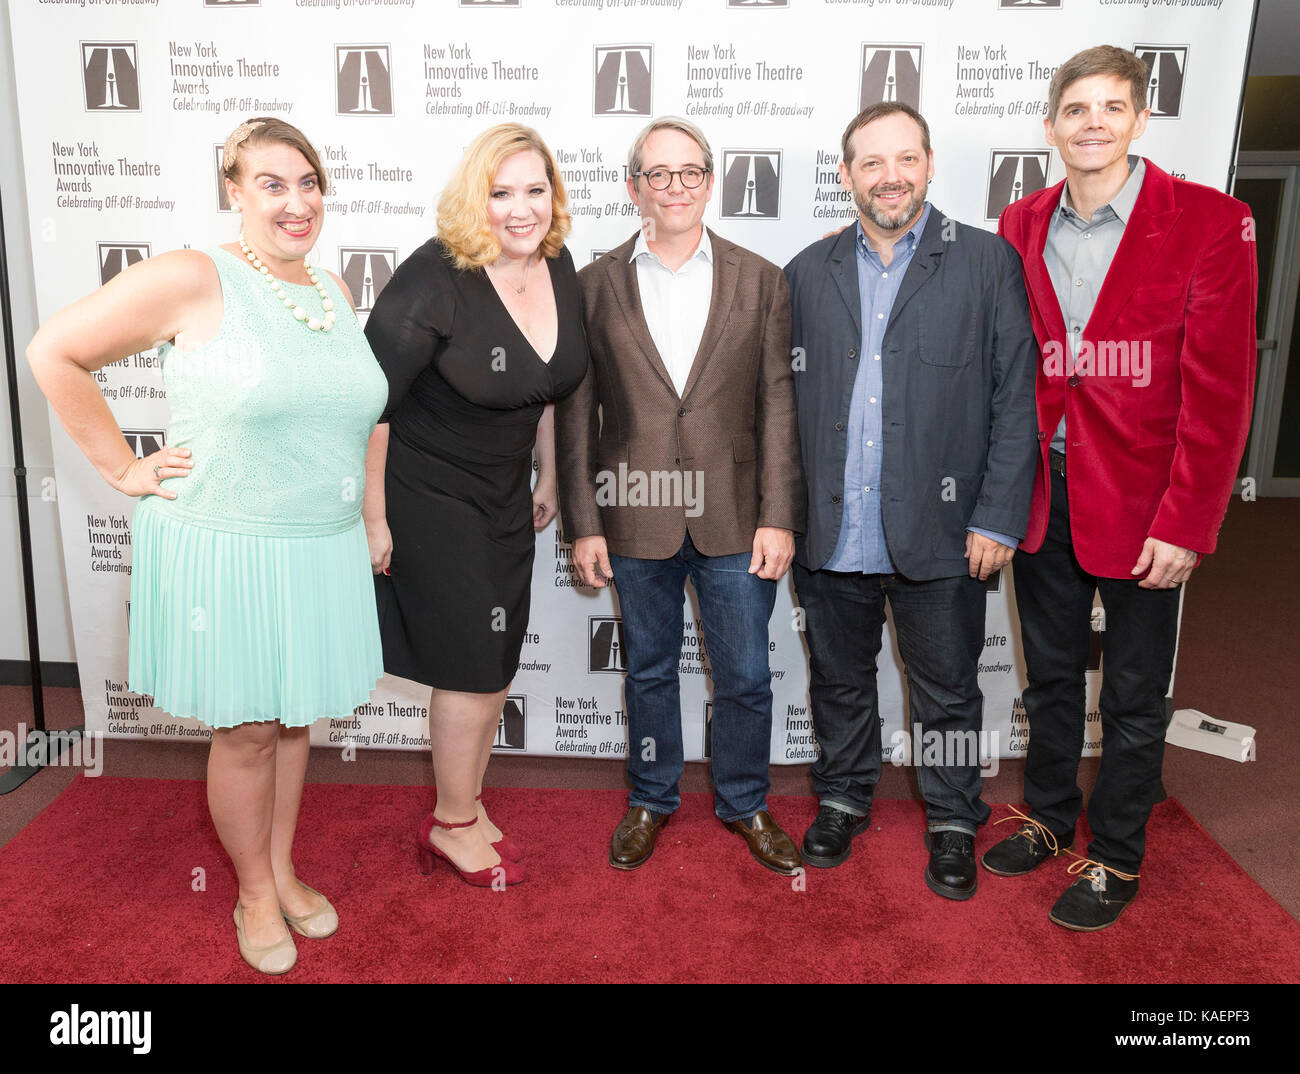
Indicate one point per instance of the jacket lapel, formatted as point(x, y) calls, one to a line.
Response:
point(726, 274)
point(1153, 218)
point(844, 260)
point(622, 279)
point(924, 261)
point(1042, 293)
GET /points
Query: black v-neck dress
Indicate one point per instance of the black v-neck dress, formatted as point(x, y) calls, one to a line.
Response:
point(465, 393)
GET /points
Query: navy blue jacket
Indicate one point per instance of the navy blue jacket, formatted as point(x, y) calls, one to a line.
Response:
point(960, 439)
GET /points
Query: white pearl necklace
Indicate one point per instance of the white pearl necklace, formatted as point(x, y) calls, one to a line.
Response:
point(322, 324)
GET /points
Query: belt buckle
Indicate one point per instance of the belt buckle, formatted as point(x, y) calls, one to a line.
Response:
point(1057, 461)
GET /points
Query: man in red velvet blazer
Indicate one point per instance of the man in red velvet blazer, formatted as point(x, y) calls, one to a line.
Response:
point(1142, 292)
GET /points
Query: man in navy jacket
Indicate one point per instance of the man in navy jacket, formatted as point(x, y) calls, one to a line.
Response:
point(915, 363)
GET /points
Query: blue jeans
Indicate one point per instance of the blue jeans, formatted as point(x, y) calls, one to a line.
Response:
point(735, 607)
point(940, 629)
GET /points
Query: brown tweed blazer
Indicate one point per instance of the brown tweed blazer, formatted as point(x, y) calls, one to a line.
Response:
point(731, 438)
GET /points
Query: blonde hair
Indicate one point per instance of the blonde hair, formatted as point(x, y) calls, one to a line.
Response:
point(262, 129)
point(462, 208)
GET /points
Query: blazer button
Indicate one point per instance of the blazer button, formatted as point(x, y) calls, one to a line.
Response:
point(681, 413)
point(1042, 435)
point(852, 353)
point(1073, 382)
point(839, 426)
point(835, 499)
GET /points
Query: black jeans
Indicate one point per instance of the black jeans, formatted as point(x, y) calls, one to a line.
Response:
point(940, 628)
point(1054, 595)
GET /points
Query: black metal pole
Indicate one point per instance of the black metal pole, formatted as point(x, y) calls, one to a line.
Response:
point(1241, 100)
point(40, 747)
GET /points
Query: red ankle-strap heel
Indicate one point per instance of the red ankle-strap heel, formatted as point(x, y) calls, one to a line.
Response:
point(506, 872)
point(505, 846)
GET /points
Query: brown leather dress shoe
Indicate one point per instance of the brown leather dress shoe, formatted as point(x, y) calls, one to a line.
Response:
point(634, 839)
point(768, 844)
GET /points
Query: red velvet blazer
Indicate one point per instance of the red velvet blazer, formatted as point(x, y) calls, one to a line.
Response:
point(1157, 405)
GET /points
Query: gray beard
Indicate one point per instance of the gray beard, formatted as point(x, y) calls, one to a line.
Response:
point(890, 222)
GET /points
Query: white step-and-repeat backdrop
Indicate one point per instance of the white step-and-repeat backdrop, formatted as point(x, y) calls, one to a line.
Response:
point(125, 104)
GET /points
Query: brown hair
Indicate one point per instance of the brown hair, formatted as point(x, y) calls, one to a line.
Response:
point(262, 129)
point(878, 111)
point(1101, 60)
point(462, 208)
point(674, 123)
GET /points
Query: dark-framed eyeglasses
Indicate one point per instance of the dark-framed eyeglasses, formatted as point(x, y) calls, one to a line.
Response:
point(662, 178)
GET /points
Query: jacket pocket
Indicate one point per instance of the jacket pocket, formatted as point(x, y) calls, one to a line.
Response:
point(947, 344)
point(744, 448)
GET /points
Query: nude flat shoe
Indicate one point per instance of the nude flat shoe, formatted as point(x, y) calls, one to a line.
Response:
point(317, 925)
point(278, 958)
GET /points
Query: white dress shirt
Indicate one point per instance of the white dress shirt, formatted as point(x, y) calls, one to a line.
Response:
point(676, 304)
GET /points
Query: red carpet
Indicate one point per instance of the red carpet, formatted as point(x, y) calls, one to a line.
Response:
point(98, 889)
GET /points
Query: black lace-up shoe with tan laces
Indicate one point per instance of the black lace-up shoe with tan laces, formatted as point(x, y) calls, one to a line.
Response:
point(1096, 899)
point(1025, 851)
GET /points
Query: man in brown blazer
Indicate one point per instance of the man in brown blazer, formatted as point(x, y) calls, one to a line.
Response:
point(692, 471)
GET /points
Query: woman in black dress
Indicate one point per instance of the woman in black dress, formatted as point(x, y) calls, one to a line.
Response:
point(477, 331)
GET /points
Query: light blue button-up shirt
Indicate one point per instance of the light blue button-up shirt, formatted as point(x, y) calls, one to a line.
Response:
point(861, 545)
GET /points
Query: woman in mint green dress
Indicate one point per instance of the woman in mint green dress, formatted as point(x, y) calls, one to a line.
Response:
point(252, 605)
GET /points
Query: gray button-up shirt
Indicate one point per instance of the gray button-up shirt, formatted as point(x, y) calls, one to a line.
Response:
point(1078, 254)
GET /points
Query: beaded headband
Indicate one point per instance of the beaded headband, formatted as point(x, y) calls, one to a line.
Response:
point(238, 136)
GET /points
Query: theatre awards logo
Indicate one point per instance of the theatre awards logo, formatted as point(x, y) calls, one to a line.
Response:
point(606, 651)
point(751, 184)
point(1168, 67)
point(1013, 174)
point(366, 270)
point(110, 75)
point(144, 442)
point(116, 256)
point(223, 199)
point(364, 80)
point(513, 725)
point(891, 73)
point(1098, 628)
point(623, 80)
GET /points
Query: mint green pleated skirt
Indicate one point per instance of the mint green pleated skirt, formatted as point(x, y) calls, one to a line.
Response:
point(231, 628)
